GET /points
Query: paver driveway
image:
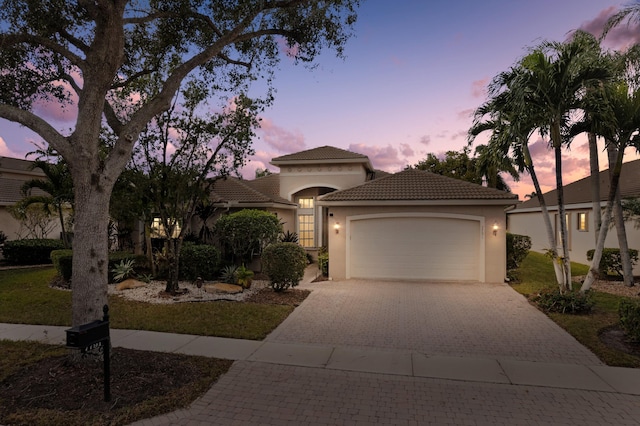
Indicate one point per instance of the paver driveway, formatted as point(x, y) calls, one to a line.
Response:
point(453, 319)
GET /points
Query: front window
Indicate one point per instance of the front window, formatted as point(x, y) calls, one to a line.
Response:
point(306, 222)
point(158, 231)
point(583, 222)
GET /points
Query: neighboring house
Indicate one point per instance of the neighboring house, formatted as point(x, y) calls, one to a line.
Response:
point(13, 174)
point(526, 218)
point(409, 225)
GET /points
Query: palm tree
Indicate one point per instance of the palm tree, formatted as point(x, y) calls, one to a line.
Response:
point(58, 186)
point(510, 135)
point(551, 88)
point(620, 132)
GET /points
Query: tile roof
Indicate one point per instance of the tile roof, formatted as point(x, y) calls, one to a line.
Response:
point(237, 190)
point(15, 164)
point(10, 191)
point(418, 185)
point(323, 153)
point(579, 192)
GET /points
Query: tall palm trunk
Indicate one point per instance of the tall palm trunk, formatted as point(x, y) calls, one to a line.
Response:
point(614, 173)
point(595, 184)
point(566, 263)
point(618, 218)
point(545, 214)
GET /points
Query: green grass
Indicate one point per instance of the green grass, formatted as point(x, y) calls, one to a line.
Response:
point(26, 298)
point(536, 273)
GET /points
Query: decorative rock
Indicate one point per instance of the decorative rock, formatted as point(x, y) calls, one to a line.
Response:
point(222, 288)
point(130, 284)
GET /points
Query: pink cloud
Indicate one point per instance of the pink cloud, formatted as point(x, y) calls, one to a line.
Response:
point(280, 139)
point(406, 150)
point(479, 88)
point(62, 112)
point(621, 37)
point(289, 51)
point(425, 140)
point(5, 151)
point(259, 160)
point(385, 158)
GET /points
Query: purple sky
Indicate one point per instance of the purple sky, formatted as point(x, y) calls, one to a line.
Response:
point(413, 76)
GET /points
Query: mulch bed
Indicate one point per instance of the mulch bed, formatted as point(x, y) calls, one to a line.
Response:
point(74, 387)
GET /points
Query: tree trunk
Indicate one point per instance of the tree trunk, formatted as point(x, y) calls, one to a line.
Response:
point(65, 240)
point(173, 253)
point(595, 184)
point(614, 172)
point(545, 215)
point(90, 263)
point(566, 263)
point(627, 268)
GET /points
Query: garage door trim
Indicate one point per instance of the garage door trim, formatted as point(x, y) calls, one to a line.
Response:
point(479, 219)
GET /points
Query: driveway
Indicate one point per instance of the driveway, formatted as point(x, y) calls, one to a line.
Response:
point(480, 320)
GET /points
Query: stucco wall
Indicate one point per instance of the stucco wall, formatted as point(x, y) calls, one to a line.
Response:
point(338, 176)
point(532, 224)
point(495, 246)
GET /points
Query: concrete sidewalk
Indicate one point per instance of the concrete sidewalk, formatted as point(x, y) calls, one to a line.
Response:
point(379, 361)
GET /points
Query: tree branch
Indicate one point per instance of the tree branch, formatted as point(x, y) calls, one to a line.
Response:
point(8, 40)
point(38, 125)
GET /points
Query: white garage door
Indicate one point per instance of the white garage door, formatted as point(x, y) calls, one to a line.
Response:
point(430, 248)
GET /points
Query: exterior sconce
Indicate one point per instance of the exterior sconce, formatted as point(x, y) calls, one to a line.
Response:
point(337, 227)
point(495, 229)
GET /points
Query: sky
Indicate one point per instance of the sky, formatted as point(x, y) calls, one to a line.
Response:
point(413, 75)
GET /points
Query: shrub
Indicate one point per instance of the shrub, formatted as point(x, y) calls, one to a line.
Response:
point(289, 237)
point(123, 270)
point(284, 264)
point(629, 311)
point(611, 261)
point(518, 247)
point(244, 276)
point(199, 261)
point(30, 252)
point(570, 302)
point(228, 275)
point(248, 231)
point(323, 261)
point(3, 238)
point(62, 260)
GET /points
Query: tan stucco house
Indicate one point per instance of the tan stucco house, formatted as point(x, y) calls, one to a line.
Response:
point(13, 174)
point(526, 218)
point(412, 225)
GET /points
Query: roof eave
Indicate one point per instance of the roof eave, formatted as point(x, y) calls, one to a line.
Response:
point(455, 202)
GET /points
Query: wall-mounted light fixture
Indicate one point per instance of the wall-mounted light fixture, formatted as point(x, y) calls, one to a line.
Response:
point(495, 228)
point(337, 227)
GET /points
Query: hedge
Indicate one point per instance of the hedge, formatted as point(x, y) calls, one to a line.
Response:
point(199, 261)
point(63, 259)
point(284, 264)
point(30, 252)
point(611, 261)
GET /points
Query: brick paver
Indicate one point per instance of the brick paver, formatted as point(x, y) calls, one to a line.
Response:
point(475, 320)
point(269, 394)
point(454, 319)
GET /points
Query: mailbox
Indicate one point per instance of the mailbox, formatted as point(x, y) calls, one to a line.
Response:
point(88, 334)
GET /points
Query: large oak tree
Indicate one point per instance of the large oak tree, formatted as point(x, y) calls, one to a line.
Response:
point(120, 63)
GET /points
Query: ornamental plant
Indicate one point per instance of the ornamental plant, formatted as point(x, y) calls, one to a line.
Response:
point(284, 264)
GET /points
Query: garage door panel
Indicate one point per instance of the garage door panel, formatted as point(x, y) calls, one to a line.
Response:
point(415, 248)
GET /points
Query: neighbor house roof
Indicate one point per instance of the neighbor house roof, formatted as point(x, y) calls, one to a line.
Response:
point(419, 186)
point(234, 191)
point(579, 192)
point(322, 155)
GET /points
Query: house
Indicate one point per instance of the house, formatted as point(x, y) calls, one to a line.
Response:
point(13, 174)
point(526, 218)
point(409, 225)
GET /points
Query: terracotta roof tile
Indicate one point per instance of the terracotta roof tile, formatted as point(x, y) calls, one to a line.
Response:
point(241, 191)
point(418, 185)
point(579, 192)
point(321, 153)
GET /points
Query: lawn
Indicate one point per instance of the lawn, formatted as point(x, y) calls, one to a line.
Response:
point(40, 386)
point(536, 273)
point(26, 298)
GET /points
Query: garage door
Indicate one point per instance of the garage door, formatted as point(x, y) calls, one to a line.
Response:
point(426, 248)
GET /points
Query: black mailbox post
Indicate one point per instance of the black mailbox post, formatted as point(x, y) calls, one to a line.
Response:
point(89, 335)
